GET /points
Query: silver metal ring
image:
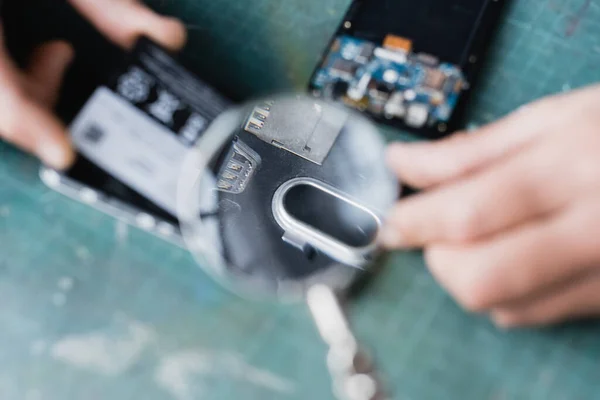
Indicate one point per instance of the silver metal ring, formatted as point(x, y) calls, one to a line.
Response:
point(303, 233)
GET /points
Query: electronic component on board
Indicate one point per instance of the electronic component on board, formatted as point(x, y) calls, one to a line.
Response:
point(407, 64)
point(397, 43)
point(394, 83)
point(417, 115)
point(366, 52)
point(395, 107)
point(435, 79)
point(344, 69)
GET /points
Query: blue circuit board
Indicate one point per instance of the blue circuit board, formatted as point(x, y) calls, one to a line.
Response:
point(389, 82)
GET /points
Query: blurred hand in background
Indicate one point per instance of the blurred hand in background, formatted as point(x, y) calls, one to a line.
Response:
point(510, 214)
point(28, 96)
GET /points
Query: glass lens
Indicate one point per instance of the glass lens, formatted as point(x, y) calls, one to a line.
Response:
point(286, 192)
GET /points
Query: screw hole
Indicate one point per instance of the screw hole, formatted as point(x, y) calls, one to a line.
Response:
point(310, 252)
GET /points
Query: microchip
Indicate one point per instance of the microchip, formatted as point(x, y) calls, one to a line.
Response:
point(366, 52)
point(428, 59)
point(344, 68)
point(384, 87)
point(339, 89)
point(394, 42)
point(435, 79)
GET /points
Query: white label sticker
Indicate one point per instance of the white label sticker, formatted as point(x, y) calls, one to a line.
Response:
point(165, 106)
point(131, 146)
point(135, 85)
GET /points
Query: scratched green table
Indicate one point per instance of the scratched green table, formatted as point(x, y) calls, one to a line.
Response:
point(90, 309)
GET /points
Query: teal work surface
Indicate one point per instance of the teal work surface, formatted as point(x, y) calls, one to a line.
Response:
point(90, 309)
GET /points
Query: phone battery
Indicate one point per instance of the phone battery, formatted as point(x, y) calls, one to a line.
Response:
point(141, 124)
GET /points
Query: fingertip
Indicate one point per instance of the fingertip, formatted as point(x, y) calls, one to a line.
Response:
point(169, 32)
point(47, 137)
point(414, 163)
point(389, 237)
point(68, 51)
point(125, 21)
point(59, 56)
point(64, 47)
point(176, 33)
point(392, 154)
point(399, 156)
point(52, 55)
point(504, 320)
point(61, 47)
point(56, 154)
point(69, 158)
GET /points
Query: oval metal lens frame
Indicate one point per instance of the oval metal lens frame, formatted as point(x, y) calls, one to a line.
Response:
point(301, 234)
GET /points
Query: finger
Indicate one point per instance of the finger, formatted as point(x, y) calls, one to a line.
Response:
point(124, 22)
point(424, 164)
point(8, 71)
point(26, 125)
point(46, 69)
point(481, 204)
point(519, 263)
point(578, 300)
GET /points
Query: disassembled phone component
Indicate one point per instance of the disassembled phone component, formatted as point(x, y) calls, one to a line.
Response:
point(139, 120)
point(409, 65)
point(308, 130)
point(390, 81)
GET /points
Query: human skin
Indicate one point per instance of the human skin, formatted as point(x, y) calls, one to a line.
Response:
point(509, 215)
point(28, 96)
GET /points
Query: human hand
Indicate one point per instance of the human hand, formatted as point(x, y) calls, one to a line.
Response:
point(27, 97)
point(510, 215)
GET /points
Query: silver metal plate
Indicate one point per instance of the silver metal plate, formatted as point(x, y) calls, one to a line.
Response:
point(306, 129)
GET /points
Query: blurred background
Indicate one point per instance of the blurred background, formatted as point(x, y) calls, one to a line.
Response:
point(91, 309)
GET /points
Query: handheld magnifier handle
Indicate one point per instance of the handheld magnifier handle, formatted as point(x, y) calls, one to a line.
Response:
point(352, 371)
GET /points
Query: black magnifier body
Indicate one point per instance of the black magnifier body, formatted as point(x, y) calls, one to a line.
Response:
point(293, 193)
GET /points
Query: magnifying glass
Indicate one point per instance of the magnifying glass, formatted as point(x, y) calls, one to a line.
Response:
point(284, 197)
